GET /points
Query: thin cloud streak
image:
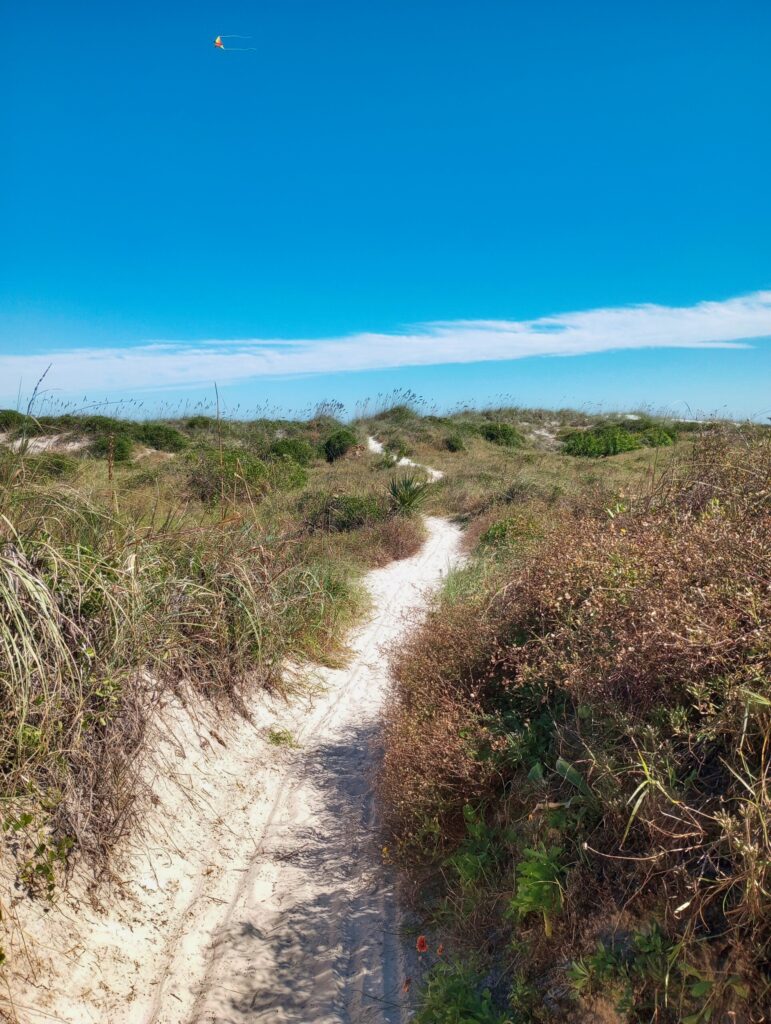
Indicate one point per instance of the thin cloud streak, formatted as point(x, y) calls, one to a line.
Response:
point(175, 364)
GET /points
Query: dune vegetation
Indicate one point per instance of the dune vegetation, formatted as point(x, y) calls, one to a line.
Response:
point(577, 746)
point(576, 777)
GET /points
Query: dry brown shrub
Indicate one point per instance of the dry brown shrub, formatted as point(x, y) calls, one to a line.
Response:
point(401, 537)
point(634, 645)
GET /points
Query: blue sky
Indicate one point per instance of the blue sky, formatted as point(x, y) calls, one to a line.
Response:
point(427, 195)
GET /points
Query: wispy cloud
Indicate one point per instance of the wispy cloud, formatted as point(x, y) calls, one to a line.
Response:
point(175, 364)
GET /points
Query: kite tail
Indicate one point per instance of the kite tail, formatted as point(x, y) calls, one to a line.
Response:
point(239, 49)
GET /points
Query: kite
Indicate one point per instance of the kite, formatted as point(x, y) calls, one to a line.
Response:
point(221, 46)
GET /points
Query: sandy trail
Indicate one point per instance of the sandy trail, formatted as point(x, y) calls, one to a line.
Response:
point(377, 447)
point(311, 934)
point(263, 896)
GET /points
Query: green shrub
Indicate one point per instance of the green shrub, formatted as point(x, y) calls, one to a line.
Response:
point(160, 436)
point(340, 513)
point(454, 443)
point(69, 423)
point(233, 473)
point(10, 419)
point(501, 433)
point(657, 437)
point(338, 443)
point(401, 414)
point(294, 448)
point(454, 994)
point(286, 474)
point(89, 424)
point(600, 442)
point(613, 438)
point(121, 444)
point(201, 423)
point(149, 477)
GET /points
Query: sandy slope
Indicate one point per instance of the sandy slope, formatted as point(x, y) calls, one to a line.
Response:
point(264, 897)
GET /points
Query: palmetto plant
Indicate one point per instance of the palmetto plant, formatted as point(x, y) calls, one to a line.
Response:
point(407, 494)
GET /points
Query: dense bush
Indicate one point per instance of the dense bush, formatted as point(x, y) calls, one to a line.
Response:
point(338, 443)
point(454, 443)
point(230, 474)
point(342, 512)
point(611, 439)
point(657, 437)
point(600, 441)
point(286, 474)
point(10, 419)
point(120, 445)
point(295, 448)
point(160, 436)
point(501, 433)
point(582, 736)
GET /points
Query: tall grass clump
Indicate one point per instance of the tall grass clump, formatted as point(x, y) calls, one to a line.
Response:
point(579, 750)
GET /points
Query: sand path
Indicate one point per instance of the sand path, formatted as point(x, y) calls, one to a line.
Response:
point(260, 893)
point(311, 933)
point(377, 447)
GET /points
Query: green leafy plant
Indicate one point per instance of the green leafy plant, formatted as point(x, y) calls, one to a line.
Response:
point(614, 438)
point(657, 437)
point(477, 859)
point(539, 885)
point(286, 475)
point(201, 423)
point(455, 994)
point(38, 873)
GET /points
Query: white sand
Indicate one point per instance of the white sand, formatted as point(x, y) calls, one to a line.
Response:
point(376, 446)
point(51, 443)
point(262, 895)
